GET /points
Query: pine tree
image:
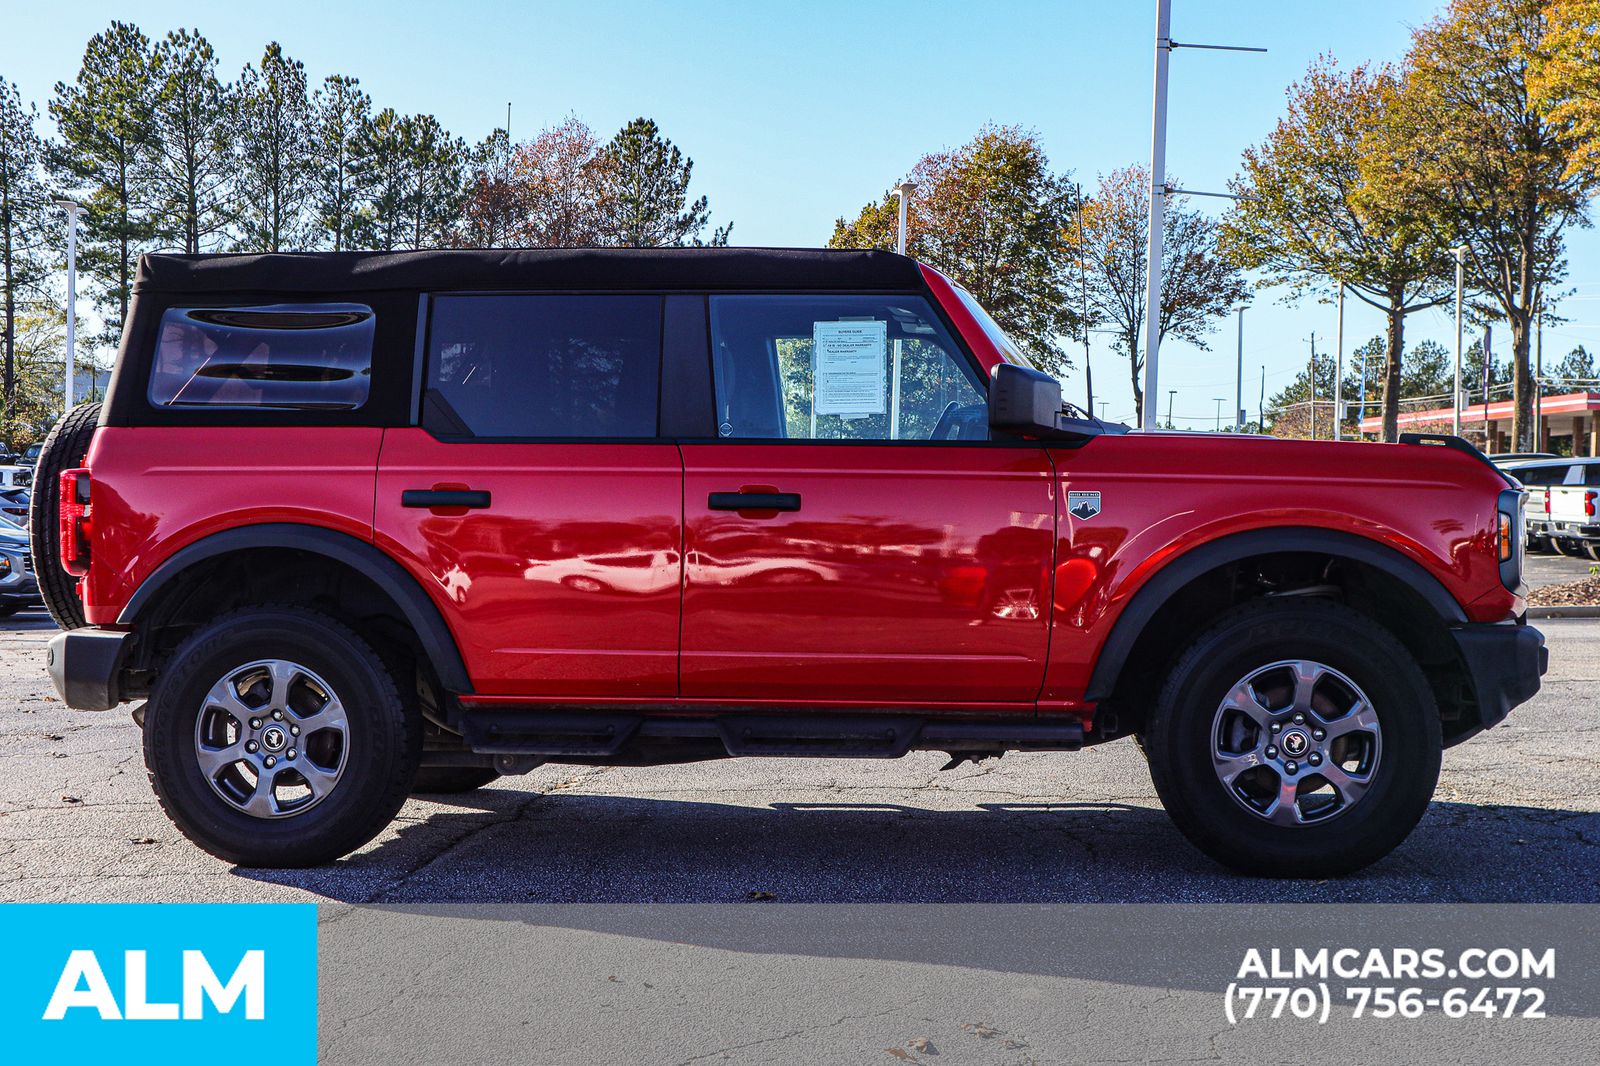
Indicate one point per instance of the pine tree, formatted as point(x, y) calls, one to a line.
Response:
point(104, 119)
point(24, 211)
point(274, 141)
point(189, 170)
point(341, 123)
point(380, 221)
point(433, 163)
point(644, 192)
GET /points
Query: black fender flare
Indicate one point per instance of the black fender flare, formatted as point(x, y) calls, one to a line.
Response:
point(1206, 557)
point(420, 611)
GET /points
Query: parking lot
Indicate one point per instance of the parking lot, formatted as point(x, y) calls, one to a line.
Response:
point(1516, 817)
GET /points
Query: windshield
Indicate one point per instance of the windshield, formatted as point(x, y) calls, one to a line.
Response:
point(1009, 351)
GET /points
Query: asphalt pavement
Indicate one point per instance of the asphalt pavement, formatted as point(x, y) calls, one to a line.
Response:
point(1516, 818)
point(1541, 569)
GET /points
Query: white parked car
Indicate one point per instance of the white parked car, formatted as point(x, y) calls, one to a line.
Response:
point(15, 476)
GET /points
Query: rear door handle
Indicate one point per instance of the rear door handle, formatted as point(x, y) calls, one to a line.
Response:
point(444, 498)
point(754, 501)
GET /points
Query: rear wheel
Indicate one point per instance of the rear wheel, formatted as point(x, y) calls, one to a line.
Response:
point(1564, 547)
point(276, 737)
point(1591, 548)
point(63, 449)
point(451, 780)
point(1295, 740)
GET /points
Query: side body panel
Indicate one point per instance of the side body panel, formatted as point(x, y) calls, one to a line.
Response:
point(1162, 495)
point(157, 490)
point(568, 584)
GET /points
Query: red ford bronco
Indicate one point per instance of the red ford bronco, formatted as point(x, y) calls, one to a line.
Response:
point(357, 525)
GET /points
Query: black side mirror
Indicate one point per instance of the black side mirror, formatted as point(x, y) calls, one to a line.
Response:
point(1024, 402)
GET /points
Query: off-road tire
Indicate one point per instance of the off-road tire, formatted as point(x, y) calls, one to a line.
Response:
point(385, 739)
point(64, 449)
point(1178, 739)
point(451, 780)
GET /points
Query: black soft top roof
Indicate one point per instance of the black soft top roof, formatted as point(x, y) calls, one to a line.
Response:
point(528, 268)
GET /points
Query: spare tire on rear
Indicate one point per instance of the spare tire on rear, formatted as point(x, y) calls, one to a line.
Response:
point(63, 449)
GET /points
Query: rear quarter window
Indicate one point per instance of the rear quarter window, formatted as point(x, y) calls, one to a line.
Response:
point(315, 357)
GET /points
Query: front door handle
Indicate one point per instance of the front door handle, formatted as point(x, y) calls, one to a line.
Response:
point(754, 501)
point(444, 498)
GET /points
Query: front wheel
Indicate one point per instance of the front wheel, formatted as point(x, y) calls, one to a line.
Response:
point(276, 737)
point(1295, 739)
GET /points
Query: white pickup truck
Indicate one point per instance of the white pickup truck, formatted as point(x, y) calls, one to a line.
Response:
point(1558, 512)
point(1571, 521)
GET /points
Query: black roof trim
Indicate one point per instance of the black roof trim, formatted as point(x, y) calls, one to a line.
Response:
point(529, 268)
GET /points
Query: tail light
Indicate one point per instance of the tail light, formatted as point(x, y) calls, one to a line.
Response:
point(1547, 501)
point(1588, 503)
point(76, 525)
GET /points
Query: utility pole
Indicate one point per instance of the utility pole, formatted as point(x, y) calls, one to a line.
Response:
point(1338, 371)
point(1170, 394)
point(1159, 190)
point(1312, 379)
point(1261, 402)
point(1460, 252)
point(1103, 405)
point(903, 191)
point(1238, 378)
point(1220, 401)
point(1083, 281)
point(72, 208)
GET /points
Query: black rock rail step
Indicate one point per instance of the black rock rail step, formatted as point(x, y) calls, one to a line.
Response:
point(599, 734)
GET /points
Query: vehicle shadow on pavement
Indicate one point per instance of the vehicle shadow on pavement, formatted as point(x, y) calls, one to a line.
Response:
point(504, 847)
point(29, 621)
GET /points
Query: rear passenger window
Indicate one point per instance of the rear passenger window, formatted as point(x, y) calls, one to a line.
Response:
point(546, 366)
point(284, 356)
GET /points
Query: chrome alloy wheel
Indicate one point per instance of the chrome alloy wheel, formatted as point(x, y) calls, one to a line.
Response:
point(1296, 742)
point(272, 739)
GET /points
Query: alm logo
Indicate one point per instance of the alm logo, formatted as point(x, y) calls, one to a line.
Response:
point(83, 985)
point(157, 983)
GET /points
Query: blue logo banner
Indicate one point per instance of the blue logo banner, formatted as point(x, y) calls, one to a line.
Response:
point(158, 983)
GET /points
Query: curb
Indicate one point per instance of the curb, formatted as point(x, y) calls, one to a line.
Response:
point(1565, 611)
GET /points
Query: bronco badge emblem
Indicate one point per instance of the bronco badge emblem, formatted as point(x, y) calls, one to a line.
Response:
point(1083, 505)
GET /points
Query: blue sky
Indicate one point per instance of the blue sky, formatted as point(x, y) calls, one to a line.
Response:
point(797, 113)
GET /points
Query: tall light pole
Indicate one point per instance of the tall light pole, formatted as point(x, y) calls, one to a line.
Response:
point(1158, 207)
point(903, 191)
point(1220, 401)
point(72, 208)
point(1159, 190)
point(1083, 282)
point(1171, 393)
point(1338, 371)
point(1238, 379)
point(1460, 252)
